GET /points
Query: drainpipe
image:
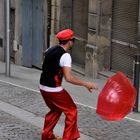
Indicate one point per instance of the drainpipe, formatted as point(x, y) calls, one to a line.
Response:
point(7, 10)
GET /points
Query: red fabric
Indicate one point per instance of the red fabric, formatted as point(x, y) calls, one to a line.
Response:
point(59, 102)
point(65, 34)
point(117, 98)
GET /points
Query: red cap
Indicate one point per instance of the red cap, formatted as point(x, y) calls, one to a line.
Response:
point(65, 34)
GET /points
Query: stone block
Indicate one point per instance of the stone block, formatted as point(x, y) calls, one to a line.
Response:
point(66, 3)
point(105, 26)
point(66, 18)
point(92, 37)
point(92, 21)
point(93, 6)
point(106, 7)
point(91, 64)
point(78, 52)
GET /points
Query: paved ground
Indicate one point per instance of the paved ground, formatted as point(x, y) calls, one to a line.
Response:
point(22, 110)
point(12, 128)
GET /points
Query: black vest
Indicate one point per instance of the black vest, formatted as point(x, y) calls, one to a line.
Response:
point(52, 73)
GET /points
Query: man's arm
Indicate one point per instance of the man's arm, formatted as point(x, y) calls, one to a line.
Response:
point(69, 77)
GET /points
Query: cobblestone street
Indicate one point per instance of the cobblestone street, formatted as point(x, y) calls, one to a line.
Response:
point(12, 128)
point(90, 124)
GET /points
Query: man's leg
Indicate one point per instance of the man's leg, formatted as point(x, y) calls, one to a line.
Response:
point(50, 121)
point(71, 129)
point(70, 110)
point(51, 118)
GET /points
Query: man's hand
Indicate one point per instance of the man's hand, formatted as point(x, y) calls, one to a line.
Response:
point(90, 86)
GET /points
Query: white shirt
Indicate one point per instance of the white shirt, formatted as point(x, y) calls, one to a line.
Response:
point(65, 60)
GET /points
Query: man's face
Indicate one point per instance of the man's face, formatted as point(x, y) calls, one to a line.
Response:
point(71, 43)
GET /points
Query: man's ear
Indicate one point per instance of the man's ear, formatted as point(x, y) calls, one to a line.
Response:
point(69, 43)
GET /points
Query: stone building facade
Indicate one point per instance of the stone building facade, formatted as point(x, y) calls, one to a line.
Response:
point(107, 32)
point(15, 30)
point(91, 21)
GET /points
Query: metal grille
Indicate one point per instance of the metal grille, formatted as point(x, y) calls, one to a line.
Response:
point(125, 20)
point(124, 35)
point(122, 59)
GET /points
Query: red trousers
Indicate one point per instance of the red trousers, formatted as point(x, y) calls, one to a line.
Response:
point(59, 102)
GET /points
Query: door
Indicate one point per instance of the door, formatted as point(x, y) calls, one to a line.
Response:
point(37, 33)
point(27, 33)
point(32, 29)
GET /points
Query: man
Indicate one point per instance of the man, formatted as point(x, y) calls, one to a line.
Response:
point(57, 63)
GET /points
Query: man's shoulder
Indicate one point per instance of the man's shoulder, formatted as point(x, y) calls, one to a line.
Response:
point(55, 51)
point(51, 49)
point(56, 47)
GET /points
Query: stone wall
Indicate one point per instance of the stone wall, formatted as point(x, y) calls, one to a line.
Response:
point(55, 20)
point(60, 17)
point(18, 32)
point(99, 37)
point(2, 30)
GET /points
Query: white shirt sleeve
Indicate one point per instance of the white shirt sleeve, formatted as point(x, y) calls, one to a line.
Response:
point(65, 60)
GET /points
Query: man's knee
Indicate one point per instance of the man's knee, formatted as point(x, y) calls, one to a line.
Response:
point(73, 112)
